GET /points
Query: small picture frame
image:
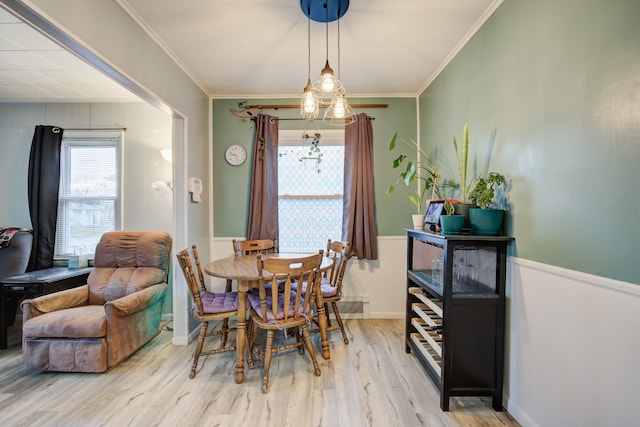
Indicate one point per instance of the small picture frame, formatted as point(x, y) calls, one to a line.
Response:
point(434, 210)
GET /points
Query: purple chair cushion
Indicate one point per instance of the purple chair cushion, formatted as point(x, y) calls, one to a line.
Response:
point(254, 302)
point(327, 289)
point(222, 302)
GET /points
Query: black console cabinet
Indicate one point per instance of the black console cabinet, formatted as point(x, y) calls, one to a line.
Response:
point(456, 311)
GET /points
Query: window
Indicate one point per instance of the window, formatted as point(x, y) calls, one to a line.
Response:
point(89, 198)
point(309, 202)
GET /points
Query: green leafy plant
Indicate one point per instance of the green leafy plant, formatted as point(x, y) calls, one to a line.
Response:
point(420, 171)
point(462, 156)
point(484, 190)
point(448, 207)
point(314, 153)
point(314, 148)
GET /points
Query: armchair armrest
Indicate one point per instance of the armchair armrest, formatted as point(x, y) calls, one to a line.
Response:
point(69, 298)
point(136, 301)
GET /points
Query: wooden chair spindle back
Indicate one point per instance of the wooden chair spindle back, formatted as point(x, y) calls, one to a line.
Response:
point(261, 246)
point(184, 259)
point(294, 271)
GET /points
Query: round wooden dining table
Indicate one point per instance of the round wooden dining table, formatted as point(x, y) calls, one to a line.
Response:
point(244, 269)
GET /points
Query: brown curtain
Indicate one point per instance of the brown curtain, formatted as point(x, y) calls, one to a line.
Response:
point(263, 197)
point(359, 217)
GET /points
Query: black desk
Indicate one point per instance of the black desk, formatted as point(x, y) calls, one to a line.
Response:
point(32, 284)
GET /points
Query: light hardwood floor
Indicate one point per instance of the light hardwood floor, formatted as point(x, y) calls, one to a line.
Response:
point(370, 382)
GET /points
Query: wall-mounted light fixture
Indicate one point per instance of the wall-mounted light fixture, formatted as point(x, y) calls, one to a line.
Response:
point(167, 154)
point(162, 187)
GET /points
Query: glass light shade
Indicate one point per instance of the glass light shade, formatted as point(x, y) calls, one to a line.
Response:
point(339, 112)
point(309, 105)
point(327, 86)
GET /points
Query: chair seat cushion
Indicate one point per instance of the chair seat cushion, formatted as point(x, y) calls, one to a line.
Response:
point(88, 321)
point(267, 287)
point(254, 303)
point(327, 289)
point(214, 303)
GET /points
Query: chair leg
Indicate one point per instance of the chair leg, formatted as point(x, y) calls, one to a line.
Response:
point(252, 329)
point(307, 341)
point(225, 322)
point(267, 361)
point(339, 320)
point(203, 335)
point(250, 342)
point(299, 341)
point(326, 311)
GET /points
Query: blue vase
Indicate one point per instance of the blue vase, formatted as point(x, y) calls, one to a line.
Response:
point(451, 224)
point(486, 222)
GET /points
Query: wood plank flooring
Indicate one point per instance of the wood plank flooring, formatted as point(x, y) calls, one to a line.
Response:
point(370, 382)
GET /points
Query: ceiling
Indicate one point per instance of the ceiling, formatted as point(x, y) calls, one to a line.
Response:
point(258, 48)
point(33, 68)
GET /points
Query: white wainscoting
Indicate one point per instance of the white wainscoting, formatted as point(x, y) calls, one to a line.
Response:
point(573, 343)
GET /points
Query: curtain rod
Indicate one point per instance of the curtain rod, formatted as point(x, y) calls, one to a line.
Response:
point(297, 118)
point(101, 129)
point(278, 106)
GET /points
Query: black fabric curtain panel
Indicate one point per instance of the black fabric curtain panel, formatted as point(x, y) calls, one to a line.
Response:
point(44, 183)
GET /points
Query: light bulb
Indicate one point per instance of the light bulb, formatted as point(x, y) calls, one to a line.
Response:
point(327, 82)
point(309, 107)
point(309, 102)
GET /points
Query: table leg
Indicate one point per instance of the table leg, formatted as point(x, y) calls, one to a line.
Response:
point(322, 322)
point(241, 330)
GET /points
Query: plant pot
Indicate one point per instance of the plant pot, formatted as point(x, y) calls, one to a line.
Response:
point(463, 209)
point(486, 222)
point(418, 221)
point(451, 224)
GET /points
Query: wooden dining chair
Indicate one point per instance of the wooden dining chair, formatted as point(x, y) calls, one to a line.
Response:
point(260, 246)
point(207, 307)
point(250, 247)
point(331, 284)
point(288, 310)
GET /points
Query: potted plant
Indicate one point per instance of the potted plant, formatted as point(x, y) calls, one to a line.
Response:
point(451, 223)
point(420, 171)
point(465, 182)
point(486, 218)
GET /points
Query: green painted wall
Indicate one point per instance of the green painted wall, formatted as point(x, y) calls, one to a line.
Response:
point(558, 83)
point(231, 184)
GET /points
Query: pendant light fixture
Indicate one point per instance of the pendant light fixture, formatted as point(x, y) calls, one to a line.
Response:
point(327, 86)
point(339, 112)
point(309, 105)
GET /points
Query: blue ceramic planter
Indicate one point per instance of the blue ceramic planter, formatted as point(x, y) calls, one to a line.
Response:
point(451, 224)
point(486, 222)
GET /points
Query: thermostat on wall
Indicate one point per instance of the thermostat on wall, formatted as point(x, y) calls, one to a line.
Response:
point(194, 186)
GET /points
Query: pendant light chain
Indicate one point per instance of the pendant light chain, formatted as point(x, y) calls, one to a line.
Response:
point(309, 48)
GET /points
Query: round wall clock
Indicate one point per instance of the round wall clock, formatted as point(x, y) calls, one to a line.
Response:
point(235, 154)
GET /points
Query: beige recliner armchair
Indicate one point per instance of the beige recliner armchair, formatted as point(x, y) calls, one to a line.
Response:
point(96, 326)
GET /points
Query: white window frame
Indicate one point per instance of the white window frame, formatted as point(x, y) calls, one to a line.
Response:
point(85, 138)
